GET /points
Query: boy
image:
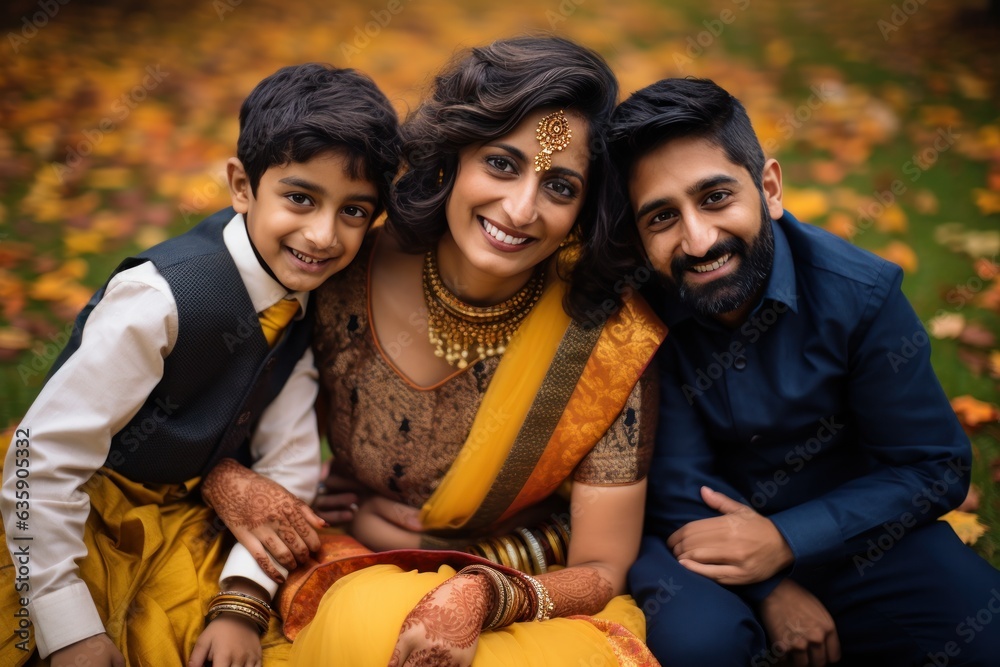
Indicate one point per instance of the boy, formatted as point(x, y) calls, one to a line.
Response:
point(194, 351)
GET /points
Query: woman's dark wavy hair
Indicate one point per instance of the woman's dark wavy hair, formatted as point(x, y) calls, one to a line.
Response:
point(666, 110)
point(484, 94)
point(303, 110)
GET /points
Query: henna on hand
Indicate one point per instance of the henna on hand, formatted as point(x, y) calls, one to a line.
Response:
point(577, 590)
point(444, 627)
point(250, 504)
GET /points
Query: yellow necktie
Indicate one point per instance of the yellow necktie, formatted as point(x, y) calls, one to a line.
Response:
point(273, 320)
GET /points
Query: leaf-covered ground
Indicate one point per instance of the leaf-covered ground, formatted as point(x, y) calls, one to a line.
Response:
point(117, 119)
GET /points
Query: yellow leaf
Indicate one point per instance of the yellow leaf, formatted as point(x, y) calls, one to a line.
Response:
point(109, 178)
point(808, 204)
point(150, 236)
point(12, 338)
point(966, 525)
point(82, 241)
point(972, 412)
point(778, 53)
point(892, 220)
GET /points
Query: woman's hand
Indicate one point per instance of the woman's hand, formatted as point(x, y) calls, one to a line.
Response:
point(263, 516)
point(382, 524)
point(337, 497)
point(443, 629)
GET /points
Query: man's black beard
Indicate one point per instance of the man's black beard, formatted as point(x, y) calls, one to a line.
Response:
point(728, 293)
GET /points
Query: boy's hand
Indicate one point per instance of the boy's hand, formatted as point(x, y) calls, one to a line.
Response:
point(97, 651)
point(262, 515)
point(228, 641)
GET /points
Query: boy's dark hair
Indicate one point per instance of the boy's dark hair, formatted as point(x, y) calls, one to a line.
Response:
point(303, 110)
point(667, 110)
point(484, 94)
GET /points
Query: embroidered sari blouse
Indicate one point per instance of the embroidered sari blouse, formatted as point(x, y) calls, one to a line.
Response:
point(399, 439)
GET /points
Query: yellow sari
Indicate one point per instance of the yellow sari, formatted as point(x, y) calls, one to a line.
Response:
point(554, 395)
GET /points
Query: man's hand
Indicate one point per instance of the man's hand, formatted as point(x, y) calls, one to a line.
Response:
point(739, 547)
point(264, 516)
point(443, 629)
point(800, 626)
point(97, 651)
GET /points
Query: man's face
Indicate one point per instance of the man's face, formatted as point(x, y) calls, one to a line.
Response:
point(701, 220)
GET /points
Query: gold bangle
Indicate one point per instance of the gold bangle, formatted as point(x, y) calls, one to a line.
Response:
point(488, 552)
point(502, 589)
point(260, 607)
point(537, 553)
point(508, 545)
point(246, 596)
point(501, 552)
point(245, 611)
point(522, 550)
point(553, 537)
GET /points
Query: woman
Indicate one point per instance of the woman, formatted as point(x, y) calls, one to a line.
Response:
point(463, 375)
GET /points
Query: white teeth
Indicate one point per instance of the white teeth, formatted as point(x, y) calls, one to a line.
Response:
point(301, 257)
point(714, 265)
point(501, 236)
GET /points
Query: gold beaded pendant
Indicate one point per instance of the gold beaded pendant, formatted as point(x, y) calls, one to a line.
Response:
point(464, 334)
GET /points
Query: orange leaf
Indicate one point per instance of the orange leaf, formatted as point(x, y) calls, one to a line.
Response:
point(808, 204)
point(899, 253)
point(12, 338)
point(972, 412)
point(892, 220)
point(988, 201)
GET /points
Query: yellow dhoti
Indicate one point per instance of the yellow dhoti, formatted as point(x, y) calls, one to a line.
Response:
point(154, 555)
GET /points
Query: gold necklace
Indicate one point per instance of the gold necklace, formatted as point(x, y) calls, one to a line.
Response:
point(455, 327)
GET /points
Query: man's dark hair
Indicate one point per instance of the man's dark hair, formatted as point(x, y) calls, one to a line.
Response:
point(674, 108)
point(304, 110)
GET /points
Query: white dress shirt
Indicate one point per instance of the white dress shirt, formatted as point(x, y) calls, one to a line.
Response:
point(94, 394)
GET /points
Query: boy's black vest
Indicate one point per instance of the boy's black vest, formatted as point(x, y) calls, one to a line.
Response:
point(220, 375)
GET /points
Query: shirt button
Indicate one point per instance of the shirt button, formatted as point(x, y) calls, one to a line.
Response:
point(740, 363)
point(244, 418)
point(755, 439)
point(270, 363)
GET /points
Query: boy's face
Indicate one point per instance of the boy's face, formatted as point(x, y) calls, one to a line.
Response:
point(700, 219)
point(308, 219)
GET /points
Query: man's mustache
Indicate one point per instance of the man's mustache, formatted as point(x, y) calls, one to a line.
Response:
point(685, 262)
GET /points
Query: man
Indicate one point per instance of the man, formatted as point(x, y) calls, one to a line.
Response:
point(806, 448)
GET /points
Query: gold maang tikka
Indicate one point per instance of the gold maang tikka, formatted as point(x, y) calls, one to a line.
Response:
point(553, 134)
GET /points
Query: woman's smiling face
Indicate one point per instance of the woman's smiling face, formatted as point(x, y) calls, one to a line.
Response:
point(505, 217)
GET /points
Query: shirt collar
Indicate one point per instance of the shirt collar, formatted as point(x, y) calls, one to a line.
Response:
point(264, 290)
point(780, 285)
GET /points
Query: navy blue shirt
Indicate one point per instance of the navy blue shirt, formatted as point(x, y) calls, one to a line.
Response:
point(821, 411)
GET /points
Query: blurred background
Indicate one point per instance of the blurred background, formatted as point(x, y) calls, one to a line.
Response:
point(117, 118)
